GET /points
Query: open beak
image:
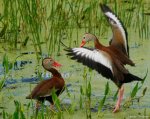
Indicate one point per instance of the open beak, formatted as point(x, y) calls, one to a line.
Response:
point(56, 64)
point(83, 43)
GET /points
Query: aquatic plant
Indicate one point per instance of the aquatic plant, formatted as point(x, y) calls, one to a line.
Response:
point(6, 67)
point(44, 24)
point(134, 92)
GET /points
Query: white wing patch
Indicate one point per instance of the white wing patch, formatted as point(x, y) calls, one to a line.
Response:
point(95, 55)
point(112, 16)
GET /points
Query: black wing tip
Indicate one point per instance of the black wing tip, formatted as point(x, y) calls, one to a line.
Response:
point(69, 52)
point(68, 49)
point(105, 8)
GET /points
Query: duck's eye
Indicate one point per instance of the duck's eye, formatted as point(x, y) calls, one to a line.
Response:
point(84, 37)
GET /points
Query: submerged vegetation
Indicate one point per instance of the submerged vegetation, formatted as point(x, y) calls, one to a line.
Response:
point(44, 26)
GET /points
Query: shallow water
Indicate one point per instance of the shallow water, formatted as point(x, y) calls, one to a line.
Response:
point(25, 75)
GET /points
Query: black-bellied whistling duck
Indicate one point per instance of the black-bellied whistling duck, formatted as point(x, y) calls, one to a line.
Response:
point(43, 91)
point(109, 61)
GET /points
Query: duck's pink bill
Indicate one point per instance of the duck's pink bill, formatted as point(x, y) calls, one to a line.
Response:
point(56, 64)
point(83, 43)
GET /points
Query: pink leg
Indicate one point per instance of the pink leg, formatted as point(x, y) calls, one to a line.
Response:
point(37, 105)
point(117, 107)
point(52, 106)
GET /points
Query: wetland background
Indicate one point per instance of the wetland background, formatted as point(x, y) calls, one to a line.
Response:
point(33, 29)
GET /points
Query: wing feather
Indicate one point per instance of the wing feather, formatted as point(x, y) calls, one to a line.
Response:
point(94, 59)
point(123, 32)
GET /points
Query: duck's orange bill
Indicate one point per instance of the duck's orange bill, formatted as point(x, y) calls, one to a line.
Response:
point(56, 64)
point(83, 43)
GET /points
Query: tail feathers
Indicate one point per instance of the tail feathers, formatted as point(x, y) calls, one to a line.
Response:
point(130, 77)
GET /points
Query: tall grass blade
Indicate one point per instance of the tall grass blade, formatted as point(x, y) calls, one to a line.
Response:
point(55, 99)
point(101, 104)
point(115, 95)
point(106, 88)
point(134, 91)
point(145, 77)
point(3, 31)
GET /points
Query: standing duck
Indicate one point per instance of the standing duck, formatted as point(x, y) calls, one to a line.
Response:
point(43, 91)
point(109, 60)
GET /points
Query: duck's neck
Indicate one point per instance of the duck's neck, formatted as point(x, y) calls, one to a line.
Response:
point(55, 72)
point(97, 44)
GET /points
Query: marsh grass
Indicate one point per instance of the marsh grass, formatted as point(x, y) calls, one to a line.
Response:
point(101, 103)
point(7, 66)
point(45, 22)
point(88, 91)
point(135, 90)
point(48, 23)
point(23, 112)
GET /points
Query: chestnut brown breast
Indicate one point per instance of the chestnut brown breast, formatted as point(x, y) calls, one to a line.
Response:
point(44, 89)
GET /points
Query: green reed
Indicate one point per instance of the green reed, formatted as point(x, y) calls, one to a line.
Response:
point(135, 90)
point(101, 104)
point(17, 114)
point(45, 22)
point(7, 66)
point(85, 93)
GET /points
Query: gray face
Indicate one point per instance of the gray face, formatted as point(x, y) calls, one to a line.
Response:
point(47, 63)
point(88, 37)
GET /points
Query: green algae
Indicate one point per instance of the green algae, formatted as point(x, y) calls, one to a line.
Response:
point(73, 71)
point(74, 77)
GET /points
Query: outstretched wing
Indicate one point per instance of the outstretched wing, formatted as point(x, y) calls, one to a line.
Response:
point(119, 39)
point(95, 59)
